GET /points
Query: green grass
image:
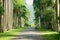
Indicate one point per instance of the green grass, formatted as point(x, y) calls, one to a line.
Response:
point(8, 35)
point(49, 34)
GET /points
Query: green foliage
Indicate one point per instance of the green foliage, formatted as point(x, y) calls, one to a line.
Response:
point(9, 34)
point(59, 1)
point(1, 10)
point(49, 34)
point(17, 5)
point(37, 13)
point(45, 10)
point(26, 23)
point(20, 2)
point(59, 19)
point(48, 17)
point(49, 14)
point(20, 8)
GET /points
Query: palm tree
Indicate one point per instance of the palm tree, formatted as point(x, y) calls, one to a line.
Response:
point(21, 14)
point(57, 14)
point(42, 5)
point(15, 12)
point(1, 13)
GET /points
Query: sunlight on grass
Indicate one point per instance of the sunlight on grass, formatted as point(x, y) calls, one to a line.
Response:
point(8, 35)
point(49, 34)
point(46, 33)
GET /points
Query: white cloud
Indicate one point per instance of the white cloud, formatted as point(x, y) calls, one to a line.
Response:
point(29, 2)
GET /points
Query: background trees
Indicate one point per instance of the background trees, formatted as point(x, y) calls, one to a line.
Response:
point(21, 12)
point(47, 13)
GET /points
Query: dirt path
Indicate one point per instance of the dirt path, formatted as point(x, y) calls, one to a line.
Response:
point(29, 34)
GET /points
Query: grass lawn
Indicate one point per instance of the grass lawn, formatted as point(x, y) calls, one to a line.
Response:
point(49, 35)
point(10, 34)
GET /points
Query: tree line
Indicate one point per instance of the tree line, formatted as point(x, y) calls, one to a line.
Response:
point(13, 14)
point(47, 14)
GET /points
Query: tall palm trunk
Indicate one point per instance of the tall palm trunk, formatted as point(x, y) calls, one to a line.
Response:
point(1, 28)
point(19, 21)
point(57, 14)
point(15, 24)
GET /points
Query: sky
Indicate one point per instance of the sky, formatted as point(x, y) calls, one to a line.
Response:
point(30, 7)
point(29, 2)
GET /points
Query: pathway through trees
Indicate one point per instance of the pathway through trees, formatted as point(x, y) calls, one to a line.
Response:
point(29, 34)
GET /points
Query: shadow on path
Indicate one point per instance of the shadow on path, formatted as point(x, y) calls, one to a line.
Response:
point(29, 34)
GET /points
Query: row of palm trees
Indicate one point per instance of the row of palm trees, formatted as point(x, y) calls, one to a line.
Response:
point(47, 11)
point(12, 15)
